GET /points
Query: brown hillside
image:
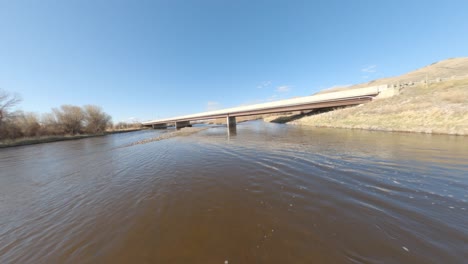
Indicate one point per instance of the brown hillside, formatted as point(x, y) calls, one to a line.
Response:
point(438, 106)
point(447, 69)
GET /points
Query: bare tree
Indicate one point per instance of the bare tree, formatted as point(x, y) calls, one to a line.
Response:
point(125, 125)
point(70, 118)
point(50, 125)
point(29, 124)
point(67, 119)
point(121, 125)
point(8, 128)
point(96, 120)
point(7, 102)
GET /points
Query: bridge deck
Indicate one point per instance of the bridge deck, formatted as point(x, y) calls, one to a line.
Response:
point(334, 99)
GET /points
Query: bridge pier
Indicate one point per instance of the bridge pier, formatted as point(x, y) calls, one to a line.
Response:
point(159, 126)
point(182, 124)
point(231, 121)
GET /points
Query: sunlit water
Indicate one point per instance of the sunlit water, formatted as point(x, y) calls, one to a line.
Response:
point(266, 193)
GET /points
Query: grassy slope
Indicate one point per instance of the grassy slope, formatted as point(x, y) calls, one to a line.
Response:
point(439, 108)
point(445, 69)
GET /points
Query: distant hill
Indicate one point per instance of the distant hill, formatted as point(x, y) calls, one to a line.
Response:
point(440, 106)
point(447, 69)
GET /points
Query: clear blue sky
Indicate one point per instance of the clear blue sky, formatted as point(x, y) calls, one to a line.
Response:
point(154, 59)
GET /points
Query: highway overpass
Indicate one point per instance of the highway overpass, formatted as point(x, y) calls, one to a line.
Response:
point(326, 100)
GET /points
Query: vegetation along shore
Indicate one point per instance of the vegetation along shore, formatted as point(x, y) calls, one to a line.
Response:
point(68, 122)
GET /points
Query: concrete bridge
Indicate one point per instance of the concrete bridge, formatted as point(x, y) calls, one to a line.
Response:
point(326, 100)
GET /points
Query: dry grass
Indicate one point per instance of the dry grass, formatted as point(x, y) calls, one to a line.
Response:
point(439, 108)
point(446, 70)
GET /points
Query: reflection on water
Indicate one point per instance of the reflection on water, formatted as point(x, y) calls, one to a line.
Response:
point(231, 131)
point(261, 193)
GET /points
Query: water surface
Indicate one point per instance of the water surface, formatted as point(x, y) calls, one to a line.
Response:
point(265, 193)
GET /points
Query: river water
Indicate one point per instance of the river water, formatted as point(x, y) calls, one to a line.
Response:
point(265, 193)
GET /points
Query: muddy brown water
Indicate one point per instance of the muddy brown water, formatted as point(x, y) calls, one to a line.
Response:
point(265, 193)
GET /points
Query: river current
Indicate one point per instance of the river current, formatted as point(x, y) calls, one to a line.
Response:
point(264, 193)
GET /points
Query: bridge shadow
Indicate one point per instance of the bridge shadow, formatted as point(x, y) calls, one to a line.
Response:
point(288, 118)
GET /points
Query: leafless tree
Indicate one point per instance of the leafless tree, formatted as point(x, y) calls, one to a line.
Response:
point(28, 124)
point(50, 125)
point(96, 120)
point(70, 118)
point(8, 128)
point(121, 125)
point(7, 102)
point(125, 125)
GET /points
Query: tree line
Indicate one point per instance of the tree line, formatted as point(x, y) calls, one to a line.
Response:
point(64, 120)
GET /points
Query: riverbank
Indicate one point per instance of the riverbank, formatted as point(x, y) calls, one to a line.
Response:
point(439, 108)
point(47, 139)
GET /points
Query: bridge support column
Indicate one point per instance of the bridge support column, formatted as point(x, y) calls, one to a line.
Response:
point(231, 121)
point(159, 126)
point(182, 124)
